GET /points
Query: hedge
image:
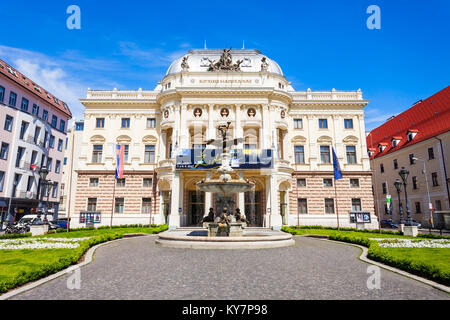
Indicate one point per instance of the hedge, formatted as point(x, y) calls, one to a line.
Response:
point(16, 235)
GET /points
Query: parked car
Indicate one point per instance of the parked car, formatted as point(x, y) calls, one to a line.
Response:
point(53, 226)
point(62, 223)
point(388, 224)
point(414, 223)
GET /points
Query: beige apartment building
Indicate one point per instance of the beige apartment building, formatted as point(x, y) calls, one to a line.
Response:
point(418, 139)
point(289, 136)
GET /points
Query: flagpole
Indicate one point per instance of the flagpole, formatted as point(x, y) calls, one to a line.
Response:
point(337, 176)
point(337, 209)
point(112, 209)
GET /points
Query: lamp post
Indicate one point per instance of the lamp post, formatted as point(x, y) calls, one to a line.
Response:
point(404, 175)
point(428, 192)
point(45, 184)
point(398, 186)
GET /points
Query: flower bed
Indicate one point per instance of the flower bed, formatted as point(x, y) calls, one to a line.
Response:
point(411, 243)
point(40, 243)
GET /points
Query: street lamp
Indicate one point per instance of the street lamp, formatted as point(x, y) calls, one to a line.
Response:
point(45, 185)
point(403, 173)
point(398, 186)
point(428, 192)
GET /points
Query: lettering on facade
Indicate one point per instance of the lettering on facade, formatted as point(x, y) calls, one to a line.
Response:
point(226, 81)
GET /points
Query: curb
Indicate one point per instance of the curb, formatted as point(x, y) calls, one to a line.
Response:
point(88, 257)
point(363, 257)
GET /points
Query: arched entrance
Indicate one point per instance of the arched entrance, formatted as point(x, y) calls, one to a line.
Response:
point(195, 203)
point(254, 204)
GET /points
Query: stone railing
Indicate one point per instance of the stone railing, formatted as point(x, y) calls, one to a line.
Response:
point(121, 95)
point(327, 95)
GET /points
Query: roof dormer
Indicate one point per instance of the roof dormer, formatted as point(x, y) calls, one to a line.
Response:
point(382, 146)
point(395, 141)
point(412, 134)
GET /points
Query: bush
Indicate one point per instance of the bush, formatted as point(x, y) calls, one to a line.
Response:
point(16, 235)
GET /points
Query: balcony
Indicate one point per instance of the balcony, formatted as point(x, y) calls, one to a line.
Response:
point(167, 163)
point(26, 195)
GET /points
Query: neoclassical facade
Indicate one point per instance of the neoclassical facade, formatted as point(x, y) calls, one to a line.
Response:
point(202, 90)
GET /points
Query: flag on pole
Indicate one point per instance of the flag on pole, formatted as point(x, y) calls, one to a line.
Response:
point(120, 152)
point(337, 168)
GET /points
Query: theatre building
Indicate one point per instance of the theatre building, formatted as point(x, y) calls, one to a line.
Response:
point(281, 139)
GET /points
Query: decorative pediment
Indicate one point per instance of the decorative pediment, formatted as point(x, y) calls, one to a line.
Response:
point(323, 139)
point(350, 139)
point(123, 140)
point(299, 139)
point(97, 139)
point(149, 139)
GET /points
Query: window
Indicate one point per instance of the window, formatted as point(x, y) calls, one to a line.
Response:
point(356, 204)
point(20, 153)
point(351, 154)
point(147, 182)
point(79, 126)
point(37, 131)
point(302, 206)
point(35, 109)
point(60, 145)
point(329, 205)
point(2, 180)
point(55, 190)
point(418, 207)
point(4, 151)
point(12, 99)
point(51, 143)
point(298, 124)
point(58, 166)
point(354, 183)
point(45, 138)
point(414, 183)
point(97, 154)
point(325, 154)
point(125, 122)
point(381, 168)
point(121, 182)
point(149, 156)
point(323, 123)
point(92, 204)
point(100, 123)
point(62, 125)
point(65, 160)
point(348, 123)
point(384, 187)
point(438, 205)
point(146, 205)
point(301, 182)
point(34, 155)
point(54, 121)
point(151, 123)
point(49, 164)
point(45, 115)
point(125, 153)
point(23, 129)
point(24, 106)
point(327, 182)
point(93, 182)
point(2, 94)
point(67, 143)
point(42, 159)
point(411, 158)
point(434, 178)
point(430, 153)
point(119, 204)
point(299, 154)
point(8, 123)
point(395, 164)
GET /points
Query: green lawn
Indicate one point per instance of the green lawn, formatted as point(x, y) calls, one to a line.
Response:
point(18, 267)
point(431, 263)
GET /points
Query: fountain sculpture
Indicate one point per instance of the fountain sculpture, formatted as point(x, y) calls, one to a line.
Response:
point(225, 224)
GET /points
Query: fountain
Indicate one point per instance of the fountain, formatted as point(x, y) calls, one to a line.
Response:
point(225, 224)
point(224, 231)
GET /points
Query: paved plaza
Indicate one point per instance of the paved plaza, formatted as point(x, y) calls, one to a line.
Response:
point(137, 268)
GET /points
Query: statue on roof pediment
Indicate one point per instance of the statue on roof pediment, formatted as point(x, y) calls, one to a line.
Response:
point(225, 63)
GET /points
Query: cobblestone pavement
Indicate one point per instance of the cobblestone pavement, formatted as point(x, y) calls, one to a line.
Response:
point(312, 269)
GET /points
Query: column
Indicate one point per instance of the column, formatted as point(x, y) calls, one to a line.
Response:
point(184, 132)
point(176, 131)
point(241, 199)
point(211, 132)
point(176, 202)
point(208, 197)
point(275, 217)
point(162, 145)
point(239, 133)
point(266, 127)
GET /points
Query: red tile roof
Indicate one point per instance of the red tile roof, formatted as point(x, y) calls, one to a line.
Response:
point(33, 87)
point(428, 118)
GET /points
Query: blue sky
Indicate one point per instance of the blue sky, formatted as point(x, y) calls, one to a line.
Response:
point(319, 44)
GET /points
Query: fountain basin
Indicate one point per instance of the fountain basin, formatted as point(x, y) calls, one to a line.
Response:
point(225, 187)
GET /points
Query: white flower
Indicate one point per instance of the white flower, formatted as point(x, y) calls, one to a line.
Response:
point(412, 243)
point(40, 243)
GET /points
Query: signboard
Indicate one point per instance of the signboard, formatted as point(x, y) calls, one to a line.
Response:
point(212, 158)
point(359, 217)
point(90, 217)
